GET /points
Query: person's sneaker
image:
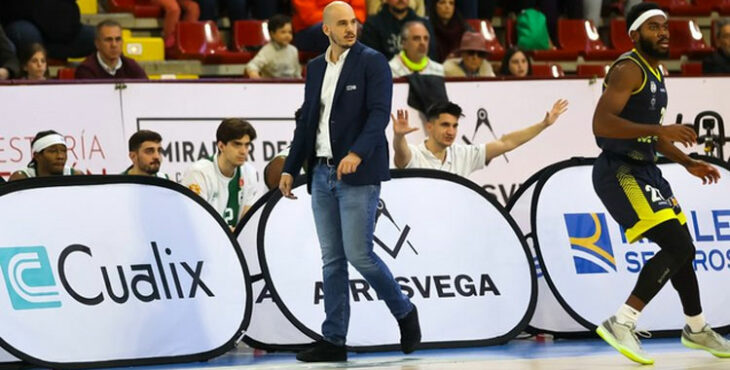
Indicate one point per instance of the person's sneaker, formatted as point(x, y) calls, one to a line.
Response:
point(323, 351)
point(410, 331)
point(708, 340)
point(623, 338)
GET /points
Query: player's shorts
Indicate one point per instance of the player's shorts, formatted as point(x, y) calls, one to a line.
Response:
point(635, 194)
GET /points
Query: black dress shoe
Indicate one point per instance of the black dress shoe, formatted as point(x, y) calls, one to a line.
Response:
point(323, 351)
point(410, 331)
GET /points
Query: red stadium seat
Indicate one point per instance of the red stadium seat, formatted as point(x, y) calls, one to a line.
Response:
point(589, 70)
point(305, 56)
point(582, 35)
point(202, 41)
point(620, 39)
point(510, 33)
point(692, 69)
point(686, 39)
point(140, 8)
point(250, 34)
point(496, 50)
point(685, 7)
point(547, 70)
point(67, 73)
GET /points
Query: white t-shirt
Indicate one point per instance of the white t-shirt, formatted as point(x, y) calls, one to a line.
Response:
point(461, 159)
point(205, 179)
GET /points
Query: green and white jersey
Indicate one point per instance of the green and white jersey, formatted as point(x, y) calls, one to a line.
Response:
point(228, 195)
point(30, 171)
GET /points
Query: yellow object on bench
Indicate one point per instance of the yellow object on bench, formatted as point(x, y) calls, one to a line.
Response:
point(143, 49)
point(180, 76)
point(88, 6)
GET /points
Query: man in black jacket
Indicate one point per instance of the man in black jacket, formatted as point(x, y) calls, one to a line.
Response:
point(9, 65)
point(719, 62)
point(382, 31)
point(53, 23)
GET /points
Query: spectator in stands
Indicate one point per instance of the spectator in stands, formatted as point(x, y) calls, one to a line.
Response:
point(237, 9)
point(473, 61)
point(414, 56)
point(516, 64)
point(418, 6)
point(49, 157)
point(108, 61)
point(382, 31)
point(440, 151)
point(448, 27)
point(227, 181)
point(278, 58)
point(307, 22)
point(34, 63)
point(53, 23)
point(554, 9)
point(145, 151)
point(9, 65)
point(719, 61)
point(173, 10)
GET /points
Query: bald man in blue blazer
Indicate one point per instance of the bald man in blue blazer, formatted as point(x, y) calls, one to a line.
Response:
point(340, 135)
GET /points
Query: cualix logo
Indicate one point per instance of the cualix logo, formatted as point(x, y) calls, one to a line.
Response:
point(30, 282)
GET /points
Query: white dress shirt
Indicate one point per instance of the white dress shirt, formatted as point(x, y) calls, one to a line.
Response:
point(110, 70)
point(460, 159)
point(329, 84)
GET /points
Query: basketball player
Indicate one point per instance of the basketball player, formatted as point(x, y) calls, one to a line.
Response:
point(627, 126)
point(227, 181)
point(49, 157)
point(145, 151)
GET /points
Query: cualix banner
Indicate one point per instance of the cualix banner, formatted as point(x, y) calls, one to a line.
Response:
point(112, 271)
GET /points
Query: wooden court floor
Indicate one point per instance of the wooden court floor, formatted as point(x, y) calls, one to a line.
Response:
point(518, 355)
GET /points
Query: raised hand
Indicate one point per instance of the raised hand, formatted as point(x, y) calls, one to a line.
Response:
point(560, 106)
point(400, 123)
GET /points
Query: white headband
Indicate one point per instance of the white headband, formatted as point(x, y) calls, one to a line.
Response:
point(643, 17)
point(47, 141)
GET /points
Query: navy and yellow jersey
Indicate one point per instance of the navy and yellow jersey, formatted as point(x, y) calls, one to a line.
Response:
point(646, 105)
point(635, 194)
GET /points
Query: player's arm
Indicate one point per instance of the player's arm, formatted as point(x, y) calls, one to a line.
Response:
point(76, 172)
point(708, 173)
point(622, 81)
point(18, 175)
point(514, 139)
point(400, 129)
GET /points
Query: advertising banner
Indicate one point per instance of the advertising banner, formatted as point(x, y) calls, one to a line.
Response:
point(115, 271)
point(591, 268)
point(89, 116)
point(453, 250)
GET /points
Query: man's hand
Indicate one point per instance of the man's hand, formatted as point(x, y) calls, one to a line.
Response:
point(708, 173)
point(400, 123)
point(348, 165)
point(560, 106)
point(684, 134)
point(285, 185)
point(4, 73)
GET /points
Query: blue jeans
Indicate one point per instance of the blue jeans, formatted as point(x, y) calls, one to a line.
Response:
point(345, 219)
point(24, 33)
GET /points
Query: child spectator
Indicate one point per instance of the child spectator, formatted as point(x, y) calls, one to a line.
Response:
point(279, 58)
point(33, 63)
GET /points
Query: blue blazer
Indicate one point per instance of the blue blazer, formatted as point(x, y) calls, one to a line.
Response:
point(360, 114)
